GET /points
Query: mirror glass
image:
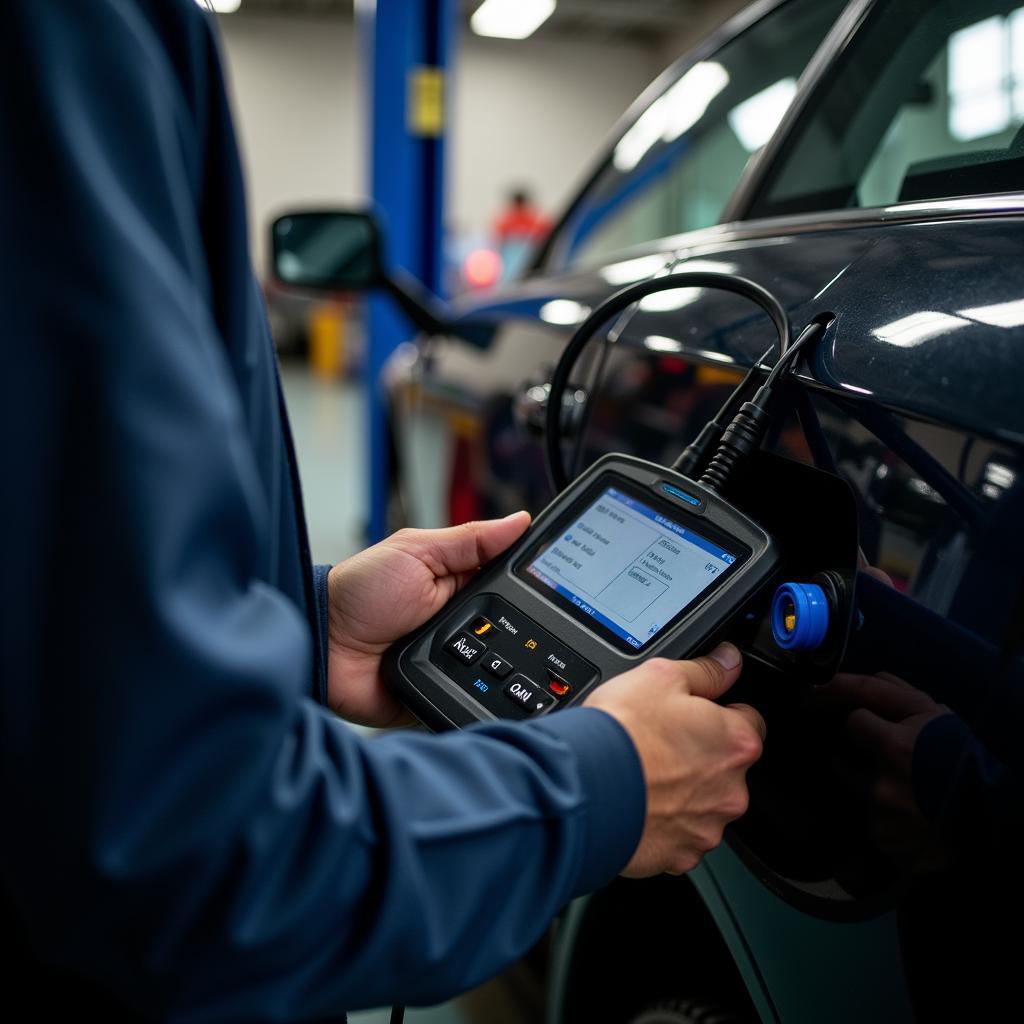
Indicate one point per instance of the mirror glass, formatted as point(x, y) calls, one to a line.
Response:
point(336, 250)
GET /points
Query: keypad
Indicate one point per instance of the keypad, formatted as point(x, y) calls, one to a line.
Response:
point(508, 663)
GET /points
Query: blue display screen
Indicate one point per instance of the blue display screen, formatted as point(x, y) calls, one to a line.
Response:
point(628, 567)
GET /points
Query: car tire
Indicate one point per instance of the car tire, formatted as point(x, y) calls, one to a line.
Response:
point(686, 1011)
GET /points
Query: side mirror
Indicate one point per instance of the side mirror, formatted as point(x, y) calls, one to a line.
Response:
point(327, 251)
point(342, 250)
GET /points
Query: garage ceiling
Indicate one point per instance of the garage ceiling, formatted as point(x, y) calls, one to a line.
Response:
point(639, 20)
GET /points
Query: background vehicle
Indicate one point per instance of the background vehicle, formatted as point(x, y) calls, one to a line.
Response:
point(864, 160)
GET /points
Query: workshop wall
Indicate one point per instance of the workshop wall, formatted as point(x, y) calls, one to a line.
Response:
point(298, 98)
point(530, 112)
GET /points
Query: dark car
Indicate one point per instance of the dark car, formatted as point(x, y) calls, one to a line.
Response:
point(863, 161)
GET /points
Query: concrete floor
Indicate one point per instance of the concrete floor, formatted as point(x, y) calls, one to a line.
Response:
point(328, 424)
point(327, 418)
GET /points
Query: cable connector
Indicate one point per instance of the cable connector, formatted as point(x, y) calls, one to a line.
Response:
point(695, 455)
point(741, 437)
point(747, 429)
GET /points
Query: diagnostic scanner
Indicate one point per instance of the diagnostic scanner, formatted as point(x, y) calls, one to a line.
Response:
point(631, 561)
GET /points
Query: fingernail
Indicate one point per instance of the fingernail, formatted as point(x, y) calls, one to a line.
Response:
point(727, 655)
point(521, 512)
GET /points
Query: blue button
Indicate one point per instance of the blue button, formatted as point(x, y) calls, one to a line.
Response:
point(800, 616)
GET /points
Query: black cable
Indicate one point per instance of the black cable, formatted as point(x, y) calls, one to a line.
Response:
point(807, 335)
point(746, 431)
point(592, 389)
point(694, 455)
point(615, 305)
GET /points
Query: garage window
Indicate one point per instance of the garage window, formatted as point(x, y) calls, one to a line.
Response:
point(927, 104)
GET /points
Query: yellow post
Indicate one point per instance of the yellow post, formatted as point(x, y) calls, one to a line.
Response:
point(327, 339)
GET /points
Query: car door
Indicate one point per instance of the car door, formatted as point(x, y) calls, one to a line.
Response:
point(876, 875)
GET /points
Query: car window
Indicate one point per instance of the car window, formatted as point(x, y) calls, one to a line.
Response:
point(676, 166)
point(928, 103)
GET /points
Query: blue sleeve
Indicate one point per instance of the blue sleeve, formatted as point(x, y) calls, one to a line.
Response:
point(320, 599)
point(182, 823)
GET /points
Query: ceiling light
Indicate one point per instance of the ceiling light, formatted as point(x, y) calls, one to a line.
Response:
point(1002, 314)
point(706, 267)
point(690, 97)
point(755, 119)
point(672, 114)
point(659, 343)
point(978, 65)
point(564, 312)
point(1000, 475)
point(220, 6)
point(671, 298)
point(715, 357)
point(918, 327)
point(511, 19)
point(637, 269)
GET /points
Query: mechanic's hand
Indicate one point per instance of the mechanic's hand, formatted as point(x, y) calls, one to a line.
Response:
point(886, 716)
point(382, 593)
point(694, 753)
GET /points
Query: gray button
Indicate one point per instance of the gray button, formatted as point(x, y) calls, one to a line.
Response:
point(465, 647)
point(527, 695)
point(497, 666)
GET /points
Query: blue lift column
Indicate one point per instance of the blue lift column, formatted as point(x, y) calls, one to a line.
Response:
point(407, 43)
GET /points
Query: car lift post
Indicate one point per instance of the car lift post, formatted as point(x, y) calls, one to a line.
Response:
point(407, 45)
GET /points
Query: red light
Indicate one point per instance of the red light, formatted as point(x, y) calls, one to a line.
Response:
point(559, 687)
point(482, 268)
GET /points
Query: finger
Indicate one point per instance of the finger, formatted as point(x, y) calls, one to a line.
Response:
point(886, 695)
point(461, 549)
point(870, 570)
point(871, 734)
point(713, 674)
point(753, 716)
point(895, 680)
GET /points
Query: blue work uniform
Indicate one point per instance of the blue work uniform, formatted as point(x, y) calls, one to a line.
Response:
point(188, 832)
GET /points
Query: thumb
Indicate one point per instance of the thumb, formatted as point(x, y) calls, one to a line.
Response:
point(713, 674)
point(461, 549)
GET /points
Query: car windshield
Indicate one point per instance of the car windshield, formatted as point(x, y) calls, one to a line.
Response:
point(676, 166)
point(928, 103)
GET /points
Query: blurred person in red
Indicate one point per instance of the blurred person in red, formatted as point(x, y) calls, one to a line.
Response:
point(517, 231)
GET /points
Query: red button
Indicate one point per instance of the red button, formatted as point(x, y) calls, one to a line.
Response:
point(558, 686)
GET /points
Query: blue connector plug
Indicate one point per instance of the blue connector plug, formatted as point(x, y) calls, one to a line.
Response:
point(800, 616)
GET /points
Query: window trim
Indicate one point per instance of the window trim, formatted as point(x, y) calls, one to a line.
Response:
point(847, 26)
point(554, 247)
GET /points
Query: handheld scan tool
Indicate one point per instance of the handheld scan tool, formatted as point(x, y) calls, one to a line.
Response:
point(633, 560)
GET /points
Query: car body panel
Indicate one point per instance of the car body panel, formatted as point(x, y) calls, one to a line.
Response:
point(804, 967)
point(888, 314)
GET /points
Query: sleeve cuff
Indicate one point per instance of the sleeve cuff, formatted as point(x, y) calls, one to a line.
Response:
point(616, 795)
point(320, 573)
